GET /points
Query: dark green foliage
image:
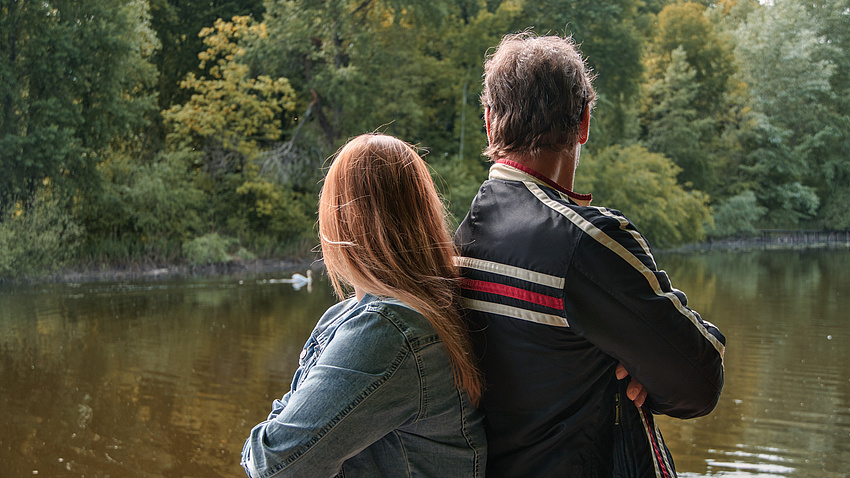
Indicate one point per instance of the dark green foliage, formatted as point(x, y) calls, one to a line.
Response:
point(793, 136)
point(73, 77)
point(737, 103)
point(155, 205)
point(737, 215)
point(42, 238)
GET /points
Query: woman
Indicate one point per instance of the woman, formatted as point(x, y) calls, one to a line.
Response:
point(386, 385)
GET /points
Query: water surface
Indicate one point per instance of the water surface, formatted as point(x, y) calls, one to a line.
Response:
point(785, 409)
point(166, 378)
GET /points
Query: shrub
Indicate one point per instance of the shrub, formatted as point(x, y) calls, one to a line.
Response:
point(37, 239)
point(208, 249)
point(737, 215)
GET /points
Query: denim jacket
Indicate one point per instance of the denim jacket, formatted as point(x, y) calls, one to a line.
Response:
point(373, 396)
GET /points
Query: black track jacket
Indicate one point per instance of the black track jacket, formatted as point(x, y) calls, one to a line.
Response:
point(557, 293)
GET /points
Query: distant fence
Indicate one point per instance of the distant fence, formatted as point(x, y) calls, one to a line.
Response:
point(805, 238)
point(785, 239)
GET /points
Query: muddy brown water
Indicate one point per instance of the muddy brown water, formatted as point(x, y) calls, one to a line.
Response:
point(166, 378)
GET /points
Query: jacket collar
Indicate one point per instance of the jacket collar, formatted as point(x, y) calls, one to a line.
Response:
point(508, 170)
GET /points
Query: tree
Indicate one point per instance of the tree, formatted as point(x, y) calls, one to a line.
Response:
point(230, 119)
point(177, 24)
point(687, 106)
point(674, 126)
point(357, 63)
point(74, 76)
point(230, 114)
point(687, 26)
point(787, 67)
point(412, 69)
point(831, 19)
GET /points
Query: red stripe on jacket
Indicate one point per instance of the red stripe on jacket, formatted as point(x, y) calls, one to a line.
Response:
point(512, 292)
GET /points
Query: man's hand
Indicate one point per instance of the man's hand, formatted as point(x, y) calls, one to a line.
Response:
point(635, 390)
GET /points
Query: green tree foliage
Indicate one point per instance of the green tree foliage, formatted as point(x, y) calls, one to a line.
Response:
point(832, 21)
point(177, 24)
point(230, 113)
point(674, 126)
point(230, 117)
point(737, 215)
point(687, 107)
point(746, 101)
point(687, 26)
point(74, 76)
point(363, 65)
point(40, 239)
point(144, 210)
point(407, 68)
point(643, 186)
point(792, 130)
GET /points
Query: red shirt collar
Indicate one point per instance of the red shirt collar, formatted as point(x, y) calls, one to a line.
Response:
point(545, 180)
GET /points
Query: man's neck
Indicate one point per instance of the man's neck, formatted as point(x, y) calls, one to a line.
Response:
point(558, 166)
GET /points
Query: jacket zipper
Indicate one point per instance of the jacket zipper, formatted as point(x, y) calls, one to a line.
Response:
point(617, 408)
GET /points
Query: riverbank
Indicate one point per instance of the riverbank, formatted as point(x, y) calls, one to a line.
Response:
point(766, 240)
point(105, 273)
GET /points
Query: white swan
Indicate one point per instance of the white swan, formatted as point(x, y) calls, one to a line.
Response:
point(298, 281)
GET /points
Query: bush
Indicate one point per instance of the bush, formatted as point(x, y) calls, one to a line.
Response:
point(215, 249)
point(737, 215)
point(143, 211)
point(37, 239)
point(208, 249)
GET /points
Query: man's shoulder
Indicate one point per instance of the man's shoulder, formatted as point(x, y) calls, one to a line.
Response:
point(562, 205)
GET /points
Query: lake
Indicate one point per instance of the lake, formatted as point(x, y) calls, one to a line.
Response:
point(166, 378)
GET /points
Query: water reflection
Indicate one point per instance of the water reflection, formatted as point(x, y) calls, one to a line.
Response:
point(166, 378)
point(785, 409)
point(156, 379)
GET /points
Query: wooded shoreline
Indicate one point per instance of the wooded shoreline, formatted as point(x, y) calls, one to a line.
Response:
point(764, 240)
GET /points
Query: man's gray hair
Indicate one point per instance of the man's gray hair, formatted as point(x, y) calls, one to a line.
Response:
point(536, 90)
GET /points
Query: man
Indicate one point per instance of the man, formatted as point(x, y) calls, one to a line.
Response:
point(565, 298)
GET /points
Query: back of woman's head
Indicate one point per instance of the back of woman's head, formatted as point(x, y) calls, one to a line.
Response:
point(383, 230)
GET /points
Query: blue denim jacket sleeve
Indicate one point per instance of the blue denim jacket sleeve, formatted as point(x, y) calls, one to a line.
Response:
point(362, 385)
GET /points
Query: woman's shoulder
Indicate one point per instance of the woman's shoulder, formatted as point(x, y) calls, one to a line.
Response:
point(402, 317)
point(375, 319)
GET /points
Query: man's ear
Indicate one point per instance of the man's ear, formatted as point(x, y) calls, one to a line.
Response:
point(487, 122)
point(584, 126)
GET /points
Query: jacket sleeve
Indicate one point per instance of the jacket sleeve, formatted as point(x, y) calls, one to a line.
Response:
point(363, 385)
point(621, 302)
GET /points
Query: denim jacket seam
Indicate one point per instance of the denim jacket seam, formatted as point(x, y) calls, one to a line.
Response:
point(465, 431)
point(374, 386)
point(423, 387)
point(415, 343)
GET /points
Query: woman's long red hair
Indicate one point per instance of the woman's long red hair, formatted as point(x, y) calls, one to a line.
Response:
point(383, 229)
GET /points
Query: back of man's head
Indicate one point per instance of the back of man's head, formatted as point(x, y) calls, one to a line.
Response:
point(536, 89)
